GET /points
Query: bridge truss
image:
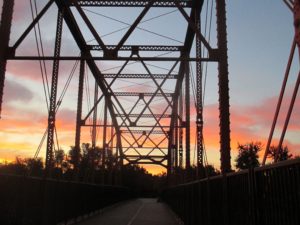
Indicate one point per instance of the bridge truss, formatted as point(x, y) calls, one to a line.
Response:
point(149, 125)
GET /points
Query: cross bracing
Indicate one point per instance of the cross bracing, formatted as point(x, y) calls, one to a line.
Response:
point(143, 120)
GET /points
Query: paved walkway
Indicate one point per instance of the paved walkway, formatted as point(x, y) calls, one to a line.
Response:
point(137, 212)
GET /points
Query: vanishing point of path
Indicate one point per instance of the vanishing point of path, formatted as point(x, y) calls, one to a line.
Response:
point(137, 212)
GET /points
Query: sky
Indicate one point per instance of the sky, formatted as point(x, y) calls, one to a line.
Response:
point(260, 34)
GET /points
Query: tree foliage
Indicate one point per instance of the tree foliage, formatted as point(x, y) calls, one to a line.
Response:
point(248, 155)
point(282, 154)
point(99, 166)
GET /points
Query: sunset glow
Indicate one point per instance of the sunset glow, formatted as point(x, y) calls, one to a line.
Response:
point(258, 52)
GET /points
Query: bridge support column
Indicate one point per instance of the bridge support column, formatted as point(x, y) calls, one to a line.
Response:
point(53, 95)
point(187, 116)
point(5, 27)
point(223, 86)
point(95, 117)
point(199, 121)
point(104, 145)
point(297, 21)
point(78, 118)
point(180, 132)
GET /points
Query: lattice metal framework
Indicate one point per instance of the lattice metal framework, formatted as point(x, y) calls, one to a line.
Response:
point(142, 134)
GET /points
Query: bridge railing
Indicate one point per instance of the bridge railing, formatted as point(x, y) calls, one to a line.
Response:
point(34, 201)
point(268, 195)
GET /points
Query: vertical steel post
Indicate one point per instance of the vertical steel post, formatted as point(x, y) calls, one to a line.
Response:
point(52, 106)
point(94, 128)
point(111, 137)
point(171, 137)
point(199, 97)
point(223, 86)
point(5, 27)
point(104, 145)
point(187, 116)
point(181, 131)
point(79, 114)
point(176, 137)
point(296, 11)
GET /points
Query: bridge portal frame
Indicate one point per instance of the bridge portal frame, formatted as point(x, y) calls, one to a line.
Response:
point(111, 52)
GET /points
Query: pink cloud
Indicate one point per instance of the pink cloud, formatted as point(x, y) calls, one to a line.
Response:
point(16, 92)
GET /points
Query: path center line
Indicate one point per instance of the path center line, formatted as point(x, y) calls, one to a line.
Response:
point(136, 214)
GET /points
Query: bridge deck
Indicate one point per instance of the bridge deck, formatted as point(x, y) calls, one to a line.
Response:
point(136, 212)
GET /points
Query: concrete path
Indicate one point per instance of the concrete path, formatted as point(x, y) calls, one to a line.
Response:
point(136, 212)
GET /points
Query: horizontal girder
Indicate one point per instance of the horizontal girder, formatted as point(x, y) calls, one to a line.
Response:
point(112, 58)
point(147, 160)
point(136, 48)
point(133, 3)
point(145, 115)
point(144, 132)
point(140, 157)
point(137, 94)
point(153, 48)
point(127, 126)
point(141, 76)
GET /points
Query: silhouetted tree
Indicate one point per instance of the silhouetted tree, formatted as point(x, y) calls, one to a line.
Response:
point(71, 156)
point(248, 155)
point(34, 166)
point(17, 167)
point(59, 157)
point(283, 153)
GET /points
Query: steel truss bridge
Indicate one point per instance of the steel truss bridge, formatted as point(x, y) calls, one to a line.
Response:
point(138, 130)
point(149, 125)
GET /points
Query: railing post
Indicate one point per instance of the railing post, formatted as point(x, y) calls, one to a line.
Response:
point(225, 201)
point(253, 200)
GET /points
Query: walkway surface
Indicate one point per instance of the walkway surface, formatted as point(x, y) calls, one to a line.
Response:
point(136, 212)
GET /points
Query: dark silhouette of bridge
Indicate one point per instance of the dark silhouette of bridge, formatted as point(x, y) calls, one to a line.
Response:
point(146, 125)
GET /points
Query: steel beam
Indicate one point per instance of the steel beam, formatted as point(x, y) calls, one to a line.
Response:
point(95, 117)
point(104, 145)
point(279, 102)
point(136, 94)
point(140, 76)
point(33, 23)
point(79, 39)
point(106, 58)
point(127, 126)
point(139, 48)
point(78, 116)
point(53, 95)
point(5, 27)
point(223, 87)
point(146, 115)
point(134, 25)
point(190, 35)
point(155, 132)
point(199, 97)
point(131, 3)
point(180, 150)
point(187, 117)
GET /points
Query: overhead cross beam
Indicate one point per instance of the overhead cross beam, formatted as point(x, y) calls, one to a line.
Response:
point(132, 3)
